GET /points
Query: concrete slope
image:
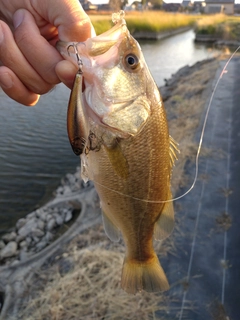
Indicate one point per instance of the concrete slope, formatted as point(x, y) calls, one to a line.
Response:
point(205, 273)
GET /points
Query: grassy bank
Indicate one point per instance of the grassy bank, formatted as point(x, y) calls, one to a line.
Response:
point(219, 27)
point(150, 21)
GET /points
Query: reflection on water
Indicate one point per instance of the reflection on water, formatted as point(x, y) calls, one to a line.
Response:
point(35, 152)
point(165, 57)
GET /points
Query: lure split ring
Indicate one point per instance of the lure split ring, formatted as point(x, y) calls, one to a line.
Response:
point(79, 60)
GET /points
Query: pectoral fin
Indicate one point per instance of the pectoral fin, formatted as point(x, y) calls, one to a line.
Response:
point(165, 224)
point(110, 229)
point(118, 160)
point(76, 126)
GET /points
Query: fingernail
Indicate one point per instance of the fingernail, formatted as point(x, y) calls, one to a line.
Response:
point(6, 81)
point(93, 32)
point(18, 18)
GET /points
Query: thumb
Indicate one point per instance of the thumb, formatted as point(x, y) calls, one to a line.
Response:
point(68, 17)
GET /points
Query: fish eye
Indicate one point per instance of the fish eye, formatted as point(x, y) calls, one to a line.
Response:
point(132, 61)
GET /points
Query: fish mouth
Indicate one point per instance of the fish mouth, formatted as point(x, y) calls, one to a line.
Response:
point(92, 47)
point(123, 112)
point(101, 44)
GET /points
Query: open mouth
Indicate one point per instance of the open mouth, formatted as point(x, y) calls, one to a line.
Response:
point(93, 47)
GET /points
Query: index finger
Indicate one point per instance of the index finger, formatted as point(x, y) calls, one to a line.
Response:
point(40, 54)
point(68, 17)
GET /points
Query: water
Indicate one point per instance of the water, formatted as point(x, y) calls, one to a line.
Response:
point(165, 57)
point(35, 152)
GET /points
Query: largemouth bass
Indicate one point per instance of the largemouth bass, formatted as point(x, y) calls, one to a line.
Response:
point(118, 126)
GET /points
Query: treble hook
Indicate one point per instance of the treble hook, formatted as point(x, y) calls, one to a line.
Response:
point(79, 60)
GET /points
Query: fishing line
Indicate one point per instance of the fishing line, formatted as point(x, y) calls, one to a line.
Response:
point(224, 71)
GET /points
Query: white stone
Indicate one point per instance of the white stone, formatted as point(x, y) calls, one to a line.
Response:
point(27, 229)
point(59, 191)
point(43, 215)
point(2, 244)
point(51, 224)
point(31, 215)
point(38, 212)
point(23, 244)
point(9, 250)
point(20, 223)
point(67, 190)
point(24, 255)
point(49, 216)
point(15, 262)
point(49, 236)
point(68, 216)
point(59, 220)
point(28, 240)
point(9, 237)
point(37, 233)
point(40, 225)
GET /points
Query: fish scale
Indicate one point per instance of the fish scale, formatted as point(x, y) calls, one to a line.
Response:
point(127, 151)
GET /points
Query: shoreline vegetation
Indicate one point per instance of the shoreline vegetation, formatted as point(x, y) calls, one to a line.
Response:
point(158, 24)
point(218, 28)
point(146, 22)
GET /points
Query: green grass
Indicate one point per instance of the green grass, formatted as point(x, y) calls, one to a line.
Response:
point(101, 26)
point(158, 21)
point(220, 26)
point(150, 21)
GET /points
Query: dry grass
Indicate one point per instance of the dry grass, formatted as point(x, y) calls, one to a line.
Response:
point(91, 289)
point(211, 20)
point(217, 311)
point(219, 26)
point(158, 21)
point(150, 21)
point(224, 221)
point(84, 282)
point(185, 108)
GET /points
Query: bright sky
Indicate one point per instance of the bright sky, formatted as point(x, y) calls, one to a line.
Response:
point(130, 1)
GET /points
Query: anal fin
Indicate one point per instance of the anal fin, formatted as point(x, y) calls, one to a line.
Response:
point(110, 229)
point(165, 224)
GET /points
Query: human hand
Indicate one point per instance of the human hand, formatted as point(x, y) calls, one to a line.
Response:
point(29, 63)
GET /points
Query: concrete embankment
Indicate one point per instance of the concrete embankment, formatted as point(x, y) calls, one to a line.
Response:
point(217, 41)
point(144, 35)
point(207, 260)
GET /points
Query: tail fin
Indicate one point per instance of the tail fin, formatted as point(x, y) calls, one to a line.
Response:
point(141, 275)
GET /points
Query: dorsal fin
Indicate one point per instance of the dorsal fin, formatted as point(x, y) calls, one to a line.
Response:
point(173, 148)
point(165, 224)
